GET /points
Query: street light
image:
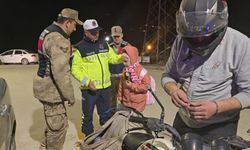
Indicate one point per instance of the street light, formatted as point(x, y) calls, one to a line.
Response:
point(107, 38)
point(149, 47)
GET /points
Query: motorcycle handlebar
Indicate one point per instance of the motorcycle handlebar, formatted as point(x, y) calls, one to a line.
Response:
point(155, 124)
point(138, 120)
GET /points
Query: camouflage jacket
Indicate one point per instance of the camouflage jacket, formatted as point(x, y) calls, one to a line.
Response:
point(56, 85)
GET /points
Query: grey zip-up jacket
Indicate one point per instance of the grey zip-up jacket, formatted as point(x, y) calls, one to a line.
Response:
point(223, 74)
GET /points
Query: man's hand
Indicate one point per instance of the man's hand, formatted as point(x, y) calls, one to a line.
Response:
point(202, 110)
point(179, 98)
point(92, 86)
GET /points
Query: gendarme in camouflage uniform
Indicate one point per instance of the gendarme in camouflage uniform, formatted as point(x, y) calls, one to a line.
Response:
point(52, 84)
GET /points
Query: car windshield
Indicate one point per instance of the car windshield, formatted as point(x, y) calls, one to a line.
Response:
point(7, 53)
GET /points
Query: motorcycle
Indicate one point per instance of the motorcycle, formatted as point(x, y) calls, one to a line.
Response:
point(189, 141)
point(131, 130)
point(162, 135)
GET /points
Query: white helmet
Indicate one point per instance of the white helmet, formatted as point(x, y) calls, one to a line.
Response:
point(197, 19)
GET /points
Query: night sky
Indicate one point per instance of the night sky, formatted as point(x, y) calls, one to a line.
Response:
point(22, 21)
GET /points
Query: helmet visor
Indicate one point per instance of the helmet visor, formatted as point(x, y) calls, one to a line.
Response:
point(201, 41)
point(197, 24)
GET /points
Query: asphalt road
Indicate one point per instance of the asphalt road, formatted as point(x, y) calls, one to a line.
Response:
point(29, 114)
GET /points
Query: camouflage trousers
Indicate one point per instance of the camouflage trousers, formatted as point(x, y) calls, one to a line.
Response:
point(57, 125)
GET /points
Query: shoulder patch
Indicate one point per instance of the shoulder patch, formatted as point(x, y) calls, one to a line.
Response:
point(63, 44)
point(101, 46)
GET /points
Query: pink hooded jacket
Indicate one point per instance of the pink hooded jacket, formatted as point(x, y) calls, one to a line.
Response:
point(135, 95)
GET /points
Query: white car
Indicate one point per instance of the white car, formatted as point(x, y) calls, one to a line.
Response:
point(18, 56)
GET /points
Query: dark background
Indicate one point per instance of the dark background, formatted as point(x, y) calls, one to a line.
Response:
point(22, 21)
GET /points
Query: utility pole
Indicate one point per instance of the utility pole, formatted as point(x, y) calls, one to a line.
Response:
point(160, 30)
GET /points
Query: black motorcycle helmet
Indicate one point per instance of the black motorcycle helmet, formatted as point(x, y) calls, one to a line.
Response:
point(202, 24)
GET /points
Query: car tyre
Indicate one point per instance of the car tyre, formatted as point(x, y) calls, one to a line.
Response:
point(25, 61)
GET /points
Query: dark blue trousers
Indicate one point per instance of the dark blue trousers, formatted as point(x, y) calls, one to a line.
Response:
point(102, 100)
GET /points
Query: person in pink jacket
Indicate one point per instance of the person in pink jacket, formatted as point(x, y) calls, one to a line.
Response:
point(133, 87)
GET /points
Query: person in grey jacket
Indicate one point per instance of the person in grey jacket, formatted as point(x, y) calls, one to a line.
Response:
point(208, 73)
point(52, 84)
